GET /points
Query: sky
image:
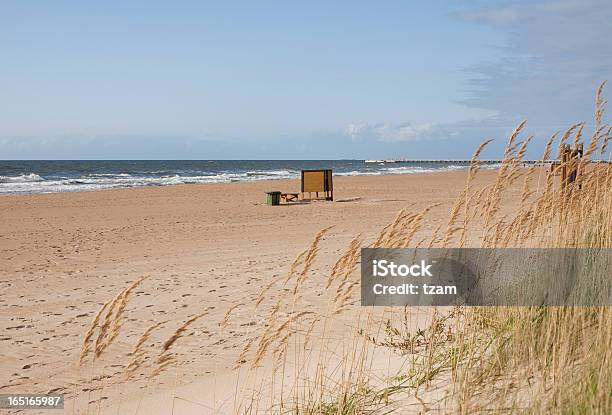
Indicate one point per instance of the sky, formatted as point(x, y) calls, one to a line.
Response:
point(294, 80)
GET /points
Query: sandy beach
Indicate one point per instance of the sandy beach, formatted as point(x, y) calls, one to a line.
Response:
point(457, 261)
point(203, 247)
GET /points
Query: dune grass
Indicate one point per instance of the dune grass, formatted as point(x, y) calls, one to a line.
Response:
point(450, 360)
point(467, 359)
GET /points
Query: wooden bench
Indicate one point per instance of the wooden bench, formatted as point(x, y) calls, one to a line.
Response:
point(290, 197)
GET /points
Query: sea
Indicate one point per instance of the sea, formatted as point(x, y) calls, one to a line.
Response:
point(38, 176)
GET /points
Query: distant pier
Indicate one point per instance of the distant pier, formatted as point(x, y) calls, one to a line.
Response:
point(465, 162)
point(448, 161)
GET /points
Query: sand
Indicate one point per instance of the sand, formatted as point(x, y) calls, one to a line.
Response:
point(204, 247)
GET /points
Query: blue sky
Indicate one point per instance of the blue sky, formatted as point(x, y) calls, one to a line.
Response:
point(235, 80)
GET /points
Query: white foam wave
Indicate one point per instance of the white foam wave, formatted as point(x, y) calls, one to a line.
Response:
point(109, 175)
point(274, 173)
point(35, 184)
point(358, 173)
point(419, 169)
point(24, 178)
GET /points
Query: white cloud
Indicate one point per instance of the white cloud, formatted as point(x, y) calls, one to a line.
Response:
point(555, 56)
point(534, 12)
point(501, 16)
point(390, 132)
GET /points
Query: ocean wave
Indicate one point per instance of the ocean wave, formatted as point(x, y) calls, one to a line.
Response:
point(359, 173)
point(419, 169)
point(108, 175)
point(97, 181)
point(88, 181)
point(24, 178)
point(491, 166)
point(274, 173)
point(408, 170)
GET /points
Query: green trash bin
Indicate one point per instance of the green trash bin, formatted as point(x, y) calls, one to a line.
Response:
point(273, 198)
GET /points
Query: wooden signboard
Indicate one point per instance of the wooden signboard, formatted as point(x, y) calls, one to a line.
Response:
point(318, 181)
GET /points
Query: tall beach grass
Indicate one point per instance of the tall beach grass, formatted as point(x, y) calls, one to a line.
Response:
point(464, 359)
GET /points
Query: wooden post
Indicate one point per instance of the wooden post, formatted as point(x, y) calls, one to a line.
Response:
point(570, 162)
point(565, 152)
